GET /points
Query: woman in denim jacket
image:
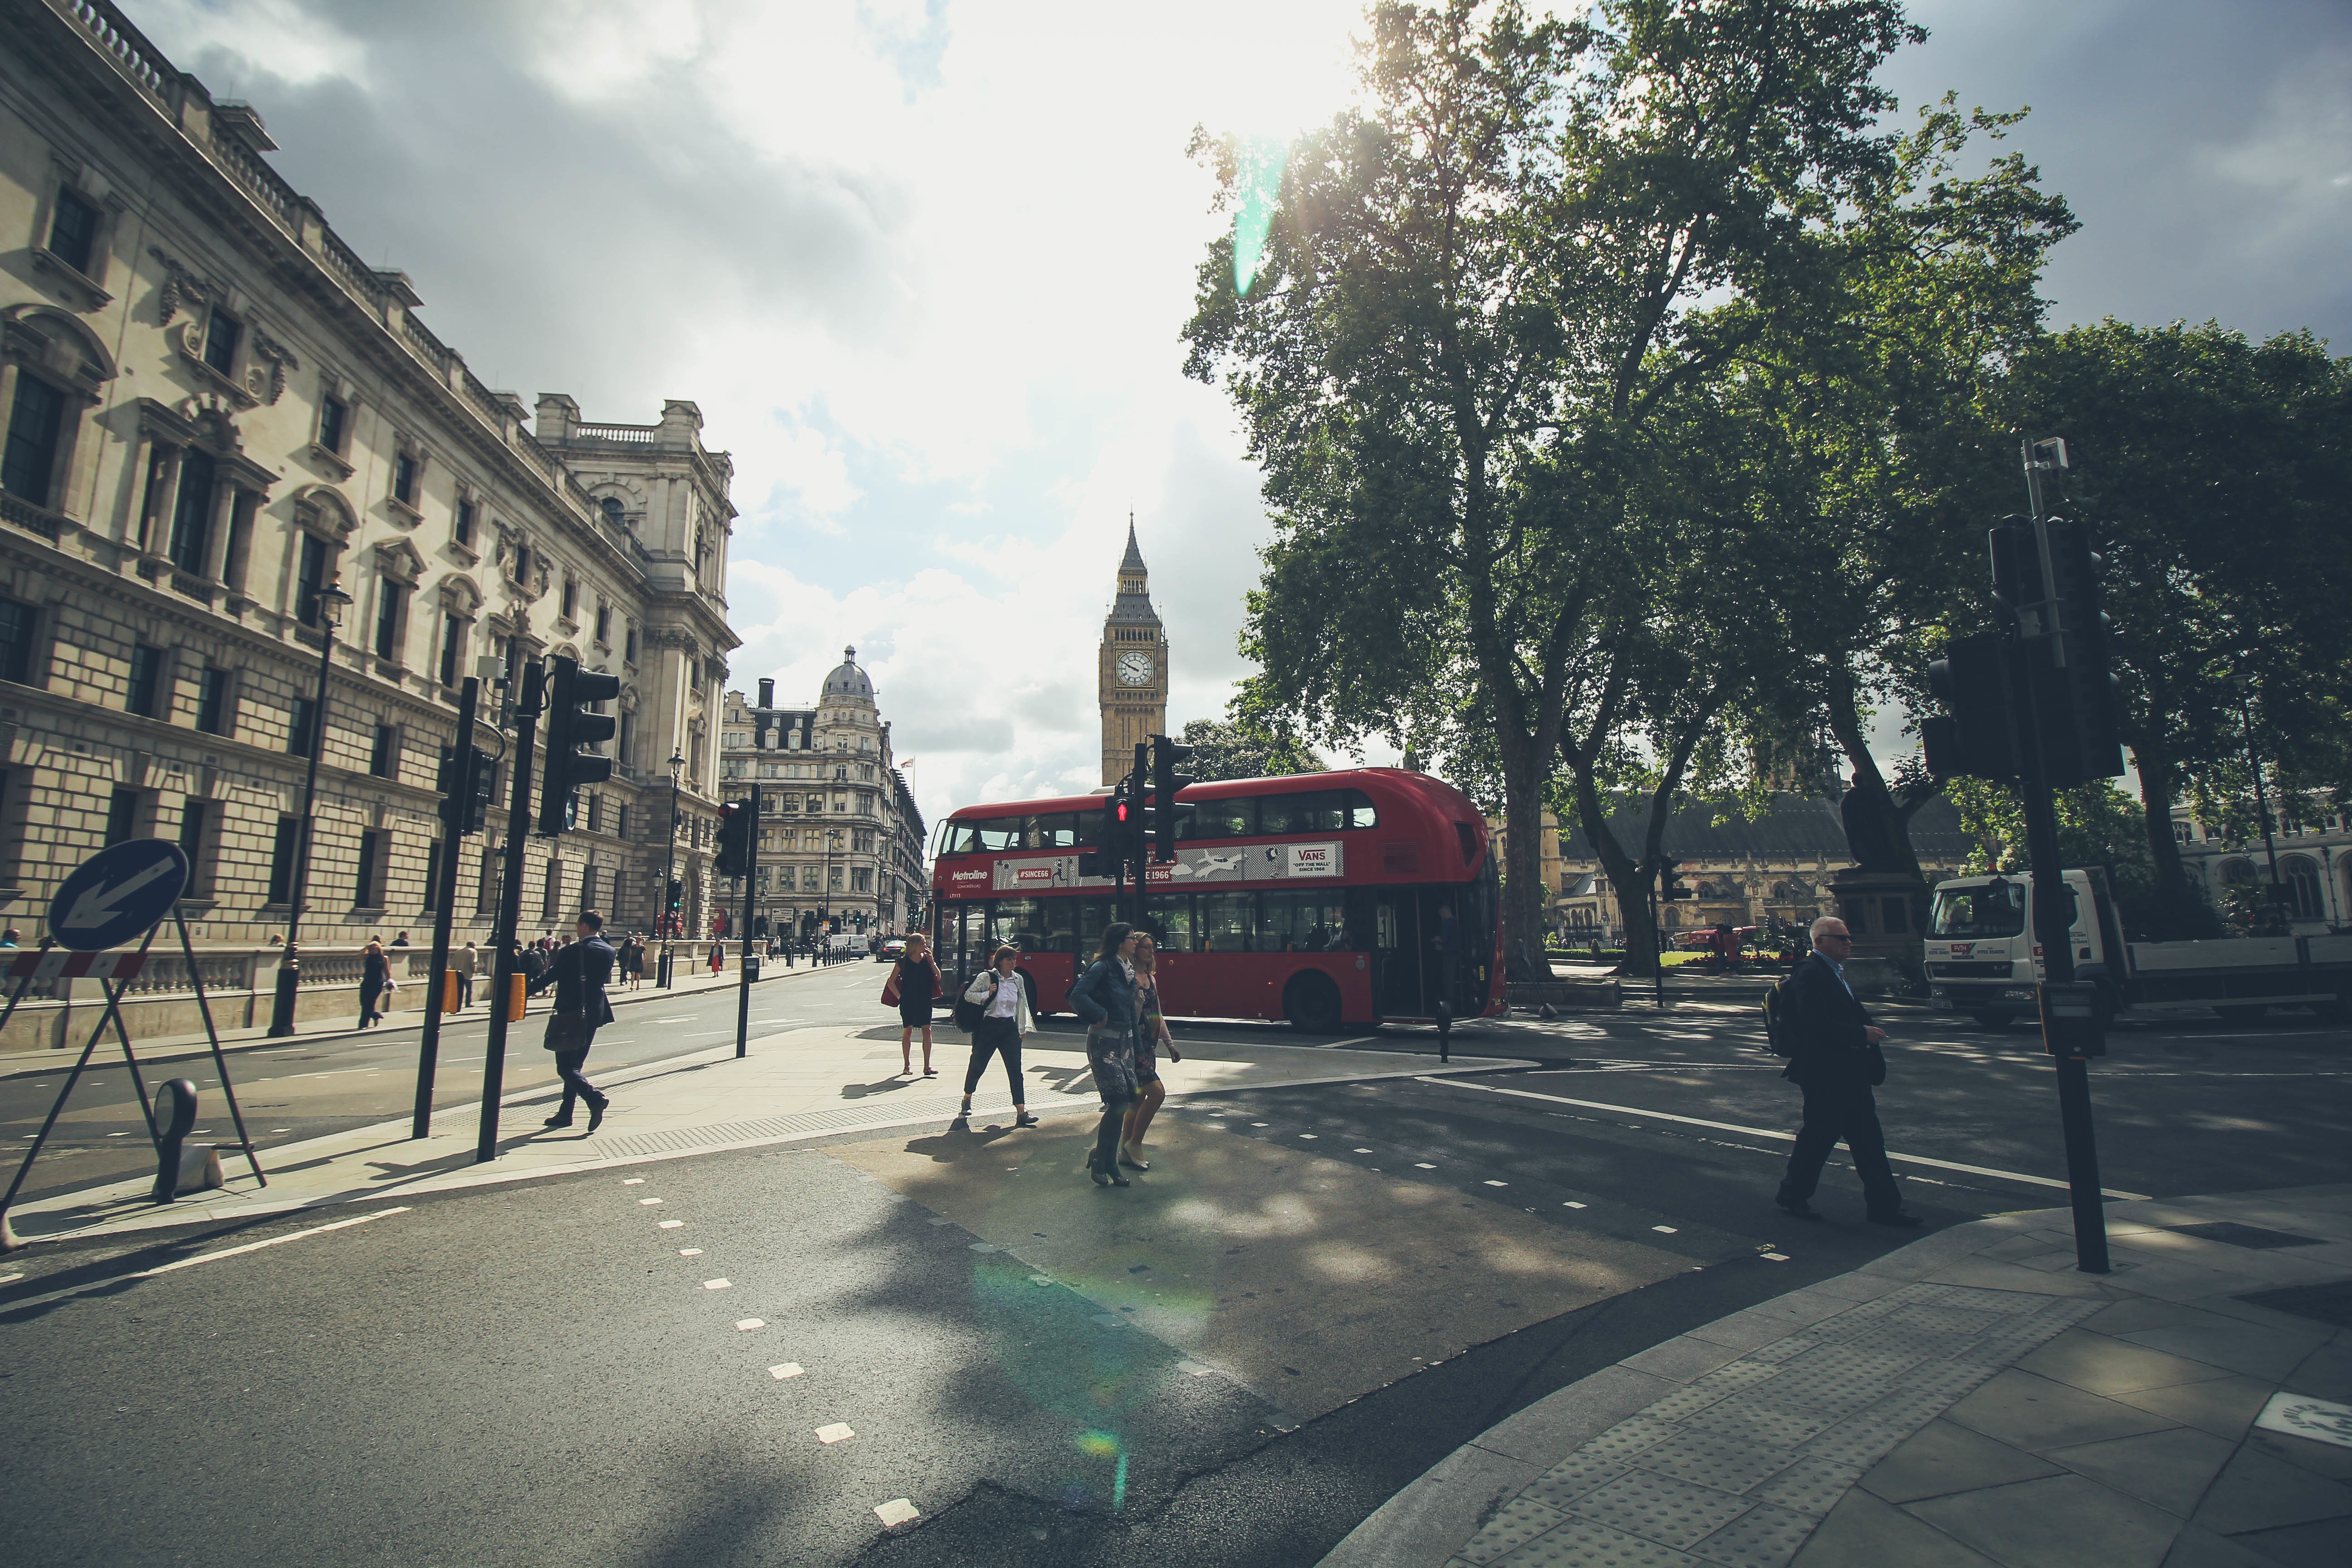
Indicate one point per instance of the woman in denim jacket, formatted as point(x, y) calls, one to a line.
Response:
point(1104, 998)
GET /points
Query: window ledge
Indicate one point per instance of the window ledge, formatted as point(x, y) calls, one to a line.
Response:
point(227, 386)
point(464, 552)
point(331, 460)
point(47, 260)
point(402, 512)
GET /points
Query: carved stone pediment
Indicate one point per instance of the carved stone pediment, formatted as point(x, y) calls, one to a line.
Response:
point(397, 559)
point(59, 344)
point(459, 596)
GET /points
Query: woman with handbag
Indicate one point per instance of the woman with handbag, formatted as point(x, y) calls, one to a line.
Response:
point(1000, 996)
point(1104, 998)
point(915, 980)
point(1151, 1035)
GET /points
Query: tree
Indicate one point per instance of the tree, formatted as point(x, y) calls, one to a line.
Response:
point(1236, 748)
point(2216, 476)
point(1482, 287)
point(2098, 824)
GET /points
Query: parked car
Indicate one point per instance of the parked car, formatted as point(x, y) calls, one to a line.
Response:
point(891, 949)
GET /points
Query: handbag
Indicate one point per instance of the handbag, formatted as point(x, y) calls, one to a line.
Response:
point(967, 1013)
point(890, 988)
point(567, 1032)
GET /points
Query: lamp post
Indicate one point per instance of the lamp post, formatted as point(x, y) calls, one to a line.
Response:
point(670, 877)
point(825, 918)
point(327, 604)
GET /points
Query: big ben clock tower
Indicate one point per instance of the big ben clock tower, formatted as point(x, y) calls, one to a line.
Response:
point(1134, 676)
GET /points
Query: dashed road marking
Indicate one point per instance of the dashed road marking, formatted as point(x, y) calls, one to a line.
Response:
point(633, 1181)
point(1307, 1135)
point(689, 1252)
point(1665, 1230)
point(1572, 1204)
point(718, 1284)
point(1776, 1258)
point(745, 1325)
point(1422, 1166)
point(1363, 1150)
point(1492, 1184)
point(671, 1223)
point(895, 1513)
point(647, 1203)
point(790, 1369)
point(838, 1432)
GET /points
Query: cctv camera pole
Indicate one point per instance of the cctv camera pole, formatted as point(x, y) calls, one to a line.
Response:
point(453, 806)
point(743, 969)
point(494, 1058)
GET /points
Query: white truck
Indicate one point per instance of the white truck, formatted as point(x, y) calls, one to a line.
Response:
point(1982, 959)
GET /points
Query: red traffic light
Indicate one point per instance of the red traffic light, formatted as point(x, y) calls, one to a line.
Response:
point(1122, 810)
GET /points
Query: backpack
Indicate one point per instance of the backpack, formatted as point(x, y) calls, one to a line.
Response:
point(1779, 1028)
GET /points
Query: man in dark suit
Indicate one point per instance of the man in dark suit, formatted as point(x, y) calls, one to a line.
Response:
point(1835, 1062)
point(579, 974)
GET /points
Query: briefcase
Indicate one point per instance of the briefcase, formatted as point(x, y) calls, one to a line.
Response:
point(567, 1032)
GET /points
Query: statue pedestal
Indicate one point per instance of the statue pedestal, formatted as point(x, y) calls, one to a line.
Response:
point(1887, 913)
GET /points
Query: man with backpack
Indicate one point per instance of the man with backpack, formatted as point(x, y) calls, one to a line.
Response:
point(1815, 1020)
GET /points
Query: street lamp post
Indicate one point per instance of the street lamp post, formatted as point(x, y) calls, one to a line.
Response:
point(825, 918)
point(669, 876)
point(329, 602)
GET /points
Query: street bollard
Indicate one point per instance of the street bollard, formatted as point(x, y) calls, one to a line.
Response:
point(181, 1166)
point(515, 994)
point(449, 989)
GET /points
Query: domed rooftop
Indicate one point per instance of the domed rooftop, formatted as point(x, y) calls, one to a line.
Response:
point(848, 679)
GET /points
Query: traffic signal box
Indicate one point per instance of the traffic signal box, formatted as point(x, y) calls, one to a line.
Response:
point(736, 826)
point(1165, 814)
point(2044, 678)
point(1670, 882)
point(467, 782)
point(572, 722)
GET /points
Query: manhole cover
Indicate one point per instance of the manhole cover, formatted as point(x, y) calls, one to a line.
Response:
point(2321, 1303)
point(2238, 1235)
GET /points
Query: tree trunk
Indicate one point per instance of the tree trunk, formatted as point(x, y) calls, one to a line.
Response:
point(1877, 830)
point(1524, 893)
point(1625, 876)
point(2181, 913)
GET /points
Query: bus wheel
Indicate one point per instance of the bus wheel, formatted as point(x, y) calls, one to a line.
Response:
point(1311, 1003)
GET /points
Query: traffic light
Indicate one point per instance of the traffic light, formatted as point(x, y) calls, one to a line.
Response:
point(1167, 814)
point(736, 826)
point(1104, 831)
point(1670, 885)
point(1974, 739)
point(677, 897)
point(467, 782)
point(2081, 718)
point(573, 693)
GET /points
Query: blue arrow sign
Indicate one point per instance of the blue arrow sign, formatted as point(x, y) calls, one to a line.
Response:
point(117, 894)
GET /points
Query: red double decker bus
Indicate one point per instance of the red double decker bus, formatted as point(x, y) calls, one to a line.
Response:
point(1314, 898)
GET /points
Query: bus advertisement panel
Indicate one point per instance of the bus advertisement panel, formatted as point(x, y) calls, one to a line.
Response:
point(1316, 898)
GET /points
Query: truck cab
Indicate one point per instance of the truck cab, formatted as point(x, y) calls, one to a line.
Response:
point(1981, 956)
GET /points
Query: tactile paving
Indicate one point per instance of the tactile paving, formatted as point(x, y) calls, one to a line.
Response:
point(1763, 1536)
point(1521, 1520)
point(1658, 1508)
point(1731, 1464)
point(1810, 1486)
point(1583, 1543)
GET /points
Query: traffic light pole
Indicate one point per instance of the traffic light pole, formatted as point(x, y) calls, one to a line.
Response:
point(1658, 934)
point(445, 901)
point(743, 969)
point(494, 1058)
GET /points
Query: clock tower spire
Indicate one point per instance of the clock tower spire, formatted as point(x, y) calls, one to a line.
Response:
point(1133, 682)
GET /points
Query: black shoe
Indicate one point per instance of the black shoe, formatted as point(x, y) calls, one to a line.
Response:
point(596, 1113)
point(1119, 1181)
point(1901, 1218)
point(1798, 1207)
point(1024, 1120)
point(1096, 1171)
point(557, 1121)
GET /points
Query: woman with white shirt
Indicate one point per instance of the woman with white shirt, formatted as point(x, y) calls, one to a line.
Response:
point(1003, 998)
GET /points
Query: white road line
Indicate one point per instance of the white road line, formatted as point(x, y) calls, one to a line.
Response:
point(838, 1432)
point(718, 1284)
point(745, 1325)
point(790, 1369)
point(895, 1513)
point(257, 1246)
point(1769, 1132)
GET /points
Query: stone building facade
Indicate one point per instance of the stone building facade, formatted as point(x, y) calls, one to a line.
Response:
point(2315, 866)
point(1743, 873)
point(839, 838)
point(215, 411)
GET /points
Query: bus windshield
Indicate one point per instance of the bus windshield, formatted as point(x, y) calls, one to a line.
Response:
point(1992, 911)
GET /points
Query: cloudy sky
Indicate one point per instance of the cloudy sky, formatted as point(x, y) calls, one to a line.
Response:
point(922, 264)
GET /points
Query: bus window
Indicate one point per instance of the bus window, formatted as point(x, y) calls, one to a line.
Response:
point(1221, 819)
point(1289, 814)
point(1058, 830)
point(1228, 922)
point(1172, 920)
point(1361, 813)
point(963, 837)
point(973, 932)
point(1017, 922)
point(1094, 918)
point(1000, 833)
point(1304, 923)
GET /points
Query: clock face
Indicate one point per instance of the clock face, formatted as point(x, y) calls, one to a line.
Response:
point(1134, 668)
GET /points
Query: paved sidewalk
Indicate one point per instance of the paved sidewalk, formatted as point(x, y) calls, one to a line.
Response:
point(798, 1083)
point(1969, 1400)
point(177, 1048)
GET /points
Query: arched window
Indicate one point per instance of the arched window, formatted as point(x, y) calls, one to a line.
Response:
point(2237, 870)
point(612, 505)
point(2300, 875)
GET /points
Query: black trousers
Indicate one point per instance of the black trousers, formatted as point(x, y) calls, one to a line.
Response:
point(1846, 1113)
point(575, 1084)
point(369, 996)
point(996, 1037)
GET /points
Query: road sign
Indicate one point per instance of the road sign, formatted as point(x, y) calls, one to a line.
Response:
point(117, 894)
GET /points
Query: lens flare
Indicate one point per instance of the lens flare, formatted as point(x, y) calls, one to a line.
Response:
point(1262, 161)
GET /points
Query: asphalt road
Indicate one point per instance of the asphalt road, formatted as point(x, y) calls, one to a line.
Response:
point(536, 1373)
